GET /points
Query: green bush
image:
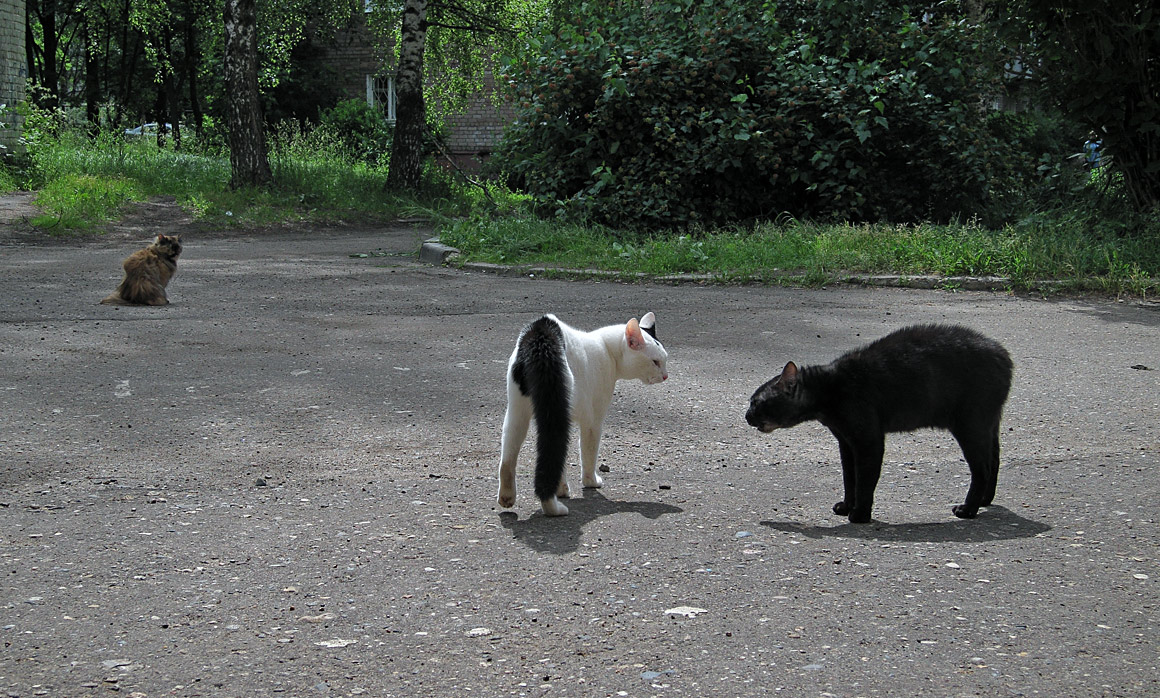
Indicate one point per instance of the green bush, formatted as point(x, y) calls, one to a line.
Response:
point(1038, 164)
point(1096, 61)
point(688, 111)
point(363, 131)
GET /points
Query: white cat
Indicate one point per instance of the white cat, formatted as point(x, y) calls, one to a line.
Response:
point(562, 375)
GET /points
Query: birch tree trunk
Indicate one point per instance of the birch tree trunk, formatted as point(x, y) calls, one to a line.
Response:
point(406, 165)
point(249, 163)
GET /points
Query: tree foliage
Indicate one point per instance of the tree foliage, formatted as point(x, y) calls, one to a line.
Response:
point(689, 110)
point(1099, 61)
point(463, 41)
point(130, 61)
point(444, 50)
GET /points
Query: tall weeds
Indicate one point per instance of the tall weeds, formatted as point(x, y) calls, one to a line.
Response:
point(315, 178)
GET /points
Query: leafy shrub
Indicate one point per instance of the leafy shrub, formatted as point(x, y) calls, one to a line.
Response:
point(689, 111)
point(41, 126)
point(1037, 164)
point(1098, 64)
point(211, 139)
point(362, 130)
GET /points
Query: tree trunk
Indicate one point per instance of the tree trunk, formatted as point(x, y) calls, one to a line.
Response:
point(249, 163)
point(50, 73)
point(172, 86)
point(192, 58)
point(406, 166)
point(30, 44)
point(125, 71)
point(160, 110)
point(92, 84)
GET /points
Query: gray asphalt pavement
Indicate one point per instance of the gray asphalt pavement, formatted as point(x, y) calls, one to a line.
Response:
point(283, 484)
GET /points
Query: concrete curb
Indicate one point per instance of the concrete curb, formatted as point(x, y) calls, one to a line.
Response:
point(435, 252)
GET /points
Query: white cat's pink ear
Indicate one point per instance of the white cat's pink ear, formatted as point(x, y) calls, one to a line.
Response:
point(634, 336)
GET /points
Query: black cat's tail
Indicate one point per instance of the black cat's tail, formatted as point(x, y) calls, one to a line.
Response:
point(541, 372)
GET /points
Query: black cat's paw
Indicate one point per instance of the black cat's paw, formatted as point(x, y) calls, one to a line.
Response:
point(965, 512)
point(859, 517)
point(841, 508)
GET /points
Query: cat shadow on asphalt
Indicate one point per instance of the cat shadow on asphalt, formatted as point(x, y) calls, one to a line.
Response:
point(559, 535)
point(993, 523)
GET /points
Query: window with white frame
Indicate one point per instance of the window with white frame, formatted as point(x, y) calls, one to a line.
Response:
point(381, 94)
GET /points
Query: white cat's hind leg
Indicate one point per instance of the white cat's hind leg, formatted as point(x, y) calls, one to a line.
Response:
point(553, 507)
point(515, 430)
point(589, 444)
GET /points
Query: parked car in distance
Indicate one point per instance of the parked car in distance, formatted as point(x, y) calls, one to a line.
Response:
point(149, 129)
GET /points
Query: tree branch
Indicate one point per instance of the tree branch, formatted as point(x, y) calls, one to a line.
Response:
point(466, 28)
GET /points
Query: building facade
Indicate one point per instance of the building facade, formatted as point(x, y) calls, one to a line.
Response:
point(13, 70)
point(472, 133)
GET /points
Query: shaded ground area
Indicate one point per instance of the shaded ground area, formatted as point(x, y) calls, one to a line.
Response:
point(17, 208)
point(284, 484)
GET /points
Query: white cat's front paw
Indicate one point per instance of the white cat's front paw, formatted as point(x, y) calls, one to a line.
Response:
point(553, 507)
point(507, 499)
point(562, 491)
point(593, 480)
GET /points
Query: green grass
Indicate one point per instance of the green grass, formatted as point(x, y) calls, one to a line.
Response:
point(79, 201)
point(8, 182)
point(84, 183)
point(311, 183)
point(1066, 252)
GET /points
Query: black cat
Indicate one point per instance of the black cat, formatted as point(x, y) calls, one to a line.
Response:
point(941, 376)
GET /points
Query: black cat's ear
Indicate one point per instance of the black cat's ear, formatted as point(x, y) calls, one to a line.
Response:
point(648, 323)
point(789, 374)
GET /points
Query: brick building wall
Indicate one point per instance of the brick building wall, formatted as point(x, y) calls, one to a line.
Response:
point(472, 134)
point(353, 56)
point(13, 70)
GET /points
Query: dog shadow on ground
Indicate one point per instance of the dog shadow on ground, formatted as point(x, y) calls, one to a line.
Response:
point(559, 535)
point(993, 523)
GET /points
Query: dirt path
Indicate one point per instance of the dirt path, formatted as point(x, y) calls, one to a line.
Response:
point(17, 208)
